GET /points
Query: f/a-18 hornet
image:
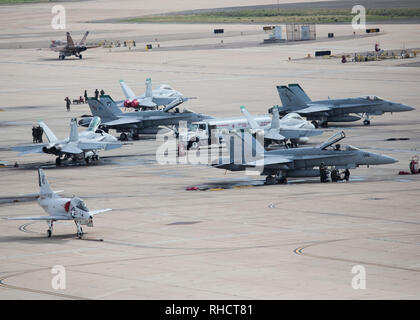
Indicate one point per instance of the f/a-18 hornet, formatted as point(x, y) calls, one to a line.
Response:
point(278, 165)
point(138, 122)
point(77, 146)
point(294, 99)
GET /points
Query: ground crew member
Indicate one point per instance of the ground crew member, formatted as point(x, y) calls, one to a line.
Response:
point(323, 172)
point(67, 103)
point(102, 92)
point(96, 94)
point(34, 134)
point(40, 131)
point(347, 174)
point(85, 95)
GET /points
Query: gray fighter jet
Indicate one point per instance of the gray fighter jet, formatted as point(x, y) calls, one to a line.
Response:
point(277, 165)
point(138, 122)
point(294, 99)
point(69, 48)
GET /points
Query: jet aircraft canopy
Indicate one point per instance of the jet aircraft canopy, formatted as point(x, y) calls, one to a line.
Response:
point(293, 115)
point(81, 205)
point(373, 98)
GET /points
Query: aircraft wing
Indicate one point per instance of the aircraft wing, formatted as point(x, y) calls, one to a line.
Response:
point(269, 160)
point(147, 102)
point(92, 213)
point(274, 136)
point(71, 148)
point(99, 145)
point(40, 218)
point(121, 121)
point(30, 148)
point(299, 133)
point(314, 108)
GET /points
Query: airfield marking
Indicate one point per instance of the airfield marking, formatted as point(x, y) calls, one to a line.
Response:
point(8, 286)
point(300, 251)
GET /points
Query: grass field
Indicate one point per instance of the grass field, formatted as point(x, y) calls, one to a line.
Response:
point(283, 16)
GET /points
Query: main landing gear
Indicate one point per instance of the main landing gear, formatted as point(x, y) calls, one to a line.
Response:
point(335, 175)
point(50, 228)
point(276, 179)
point(79, 229)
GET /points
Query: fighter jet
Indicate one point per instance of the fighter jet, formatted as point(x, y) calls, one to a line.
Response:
point(278, 165)
point(291, 127)
point(66, 49)
point(58, 208)
point(76, 146)
point(161, 96)
point(294, 99)
point(137, 123)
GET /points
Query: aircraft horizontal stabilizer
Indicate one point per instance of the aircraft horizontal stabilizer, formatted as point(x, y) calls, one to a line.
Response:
point(92, 213)
point(27, 149)
point(40, 218)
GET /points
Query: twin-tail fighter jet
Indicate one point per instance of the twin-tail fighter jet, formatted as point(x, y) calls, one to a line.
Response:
point(278, 165)
point(291, 127)
point(294, 99)
point(77, 146)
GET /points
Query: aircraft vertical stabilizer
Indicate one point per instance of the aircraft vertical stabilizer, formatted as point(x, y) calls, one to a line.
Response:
point(74, 135)
point(275, 121)
point(297, 89)
point(289, 99)
point(70, 42)
point(44, 186)
point(149, 91)
point(82, 42)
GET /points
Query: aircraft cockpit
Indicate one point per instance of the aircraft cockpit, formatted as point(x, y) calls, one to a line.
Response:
point(293, 115)
point(81, 205)
point(373, 98)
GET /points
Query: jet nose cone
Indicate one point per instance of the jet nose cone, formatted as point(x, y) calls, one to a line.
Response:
point(387, 160)
point(405, 107)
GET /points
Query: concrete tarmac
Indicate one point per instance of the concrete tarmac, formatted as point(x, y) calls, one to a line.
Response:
point(238, 239)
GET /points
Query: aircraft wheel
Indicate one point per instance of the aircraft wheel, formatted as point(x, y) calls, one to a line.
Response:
point(315, 123)
point(80, 56)
point(123, 137)
point(282, 180)
point(270, 180)
point(57, 161)
point(366, 122)
point(49, 233)
point(334, 176)
point(87, 159)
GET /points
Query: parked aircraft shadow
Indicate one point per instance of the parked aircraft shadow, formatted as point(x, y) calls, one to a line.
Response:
point(66, 59)
point(37, 238)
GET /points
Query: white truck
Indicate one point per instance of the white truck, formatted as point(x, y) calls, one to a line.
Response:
point(207, 132)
